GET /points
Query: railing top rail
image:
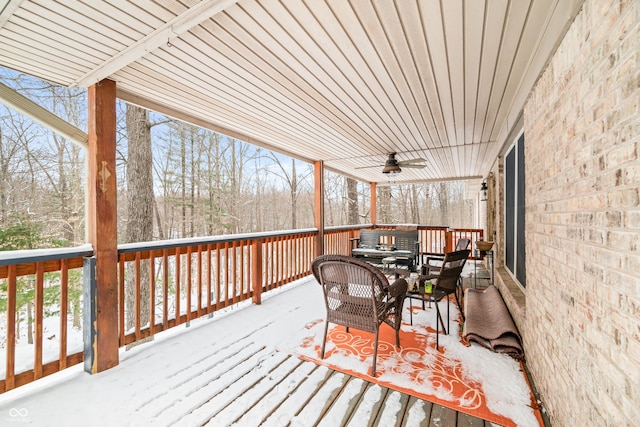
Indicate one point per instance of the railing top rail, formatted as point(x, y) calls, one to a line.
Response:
point(40, 255)
point(347, 227)
point(196, 241)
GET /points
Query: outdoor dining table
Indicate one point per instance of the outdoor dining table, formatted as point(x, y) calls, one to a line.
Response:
point(419, 294)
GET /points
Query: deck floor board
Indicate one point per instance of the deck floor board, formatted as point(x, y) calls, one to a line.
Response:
point(233, 369)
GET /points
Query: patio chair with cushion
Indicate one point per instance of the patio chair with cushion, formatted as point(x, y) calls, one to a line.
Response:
point(434, 262)
point(358, 295)
point(446, 283)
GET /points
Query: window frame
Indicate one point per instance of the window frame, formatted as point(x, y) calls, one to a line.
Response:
point(515, 210)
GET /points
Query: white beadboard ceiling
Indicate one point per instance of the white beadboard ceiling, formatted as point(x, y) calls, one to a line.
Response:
point(342, 81)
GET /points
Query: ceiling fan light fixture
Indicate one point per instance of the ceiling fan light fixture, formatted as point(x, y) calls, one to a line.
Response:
point(391, 165)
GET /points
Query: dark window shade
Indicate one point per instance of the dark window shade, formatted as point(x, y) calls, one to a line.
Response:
point(510, 164)
point(520, 212)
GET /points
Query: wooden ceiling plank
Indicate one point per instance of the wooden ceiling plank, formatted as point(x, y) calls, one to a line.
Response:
point(25, 49)
point(514, 23)
point(453, 24)
point(158, 37)
point(366, 19)
point(434, 31)
point(313, 99)
point(49, 35)
point(267, 91)
point(533, 52)
point(474, 16)
point(361, 53)
point(67, 18)
point(253, 97)
point(38, 45)
point(347, 73)
point(226, 96)
point(494, 18)
point(410, 16)
point(362, 72)
point(398, 55)
point(288, 54)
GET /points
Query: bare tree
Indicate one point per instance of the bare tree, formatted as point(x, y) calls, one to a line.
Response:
point(352, 201)
point(140, 202)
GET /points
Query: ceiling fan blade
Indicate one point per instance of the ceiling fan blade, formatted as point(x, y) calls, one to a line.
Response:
point(412, 166)
point(370, 166)
point(412, 161)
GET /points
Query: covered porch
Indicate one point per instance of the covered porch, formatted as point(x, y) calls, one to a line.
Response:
point(537, 99)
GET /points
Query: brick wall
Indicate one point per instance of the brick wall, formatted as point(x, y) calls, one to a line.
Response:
point(582, 137)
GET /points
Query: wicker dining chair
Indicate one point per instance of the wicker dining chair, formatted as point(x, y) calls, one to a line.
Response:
point(358, 295)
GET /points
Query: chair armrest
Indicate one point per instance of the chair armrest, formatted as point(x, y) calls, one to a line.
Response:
point(429, 269)
point(398, 287)
point(435, 258)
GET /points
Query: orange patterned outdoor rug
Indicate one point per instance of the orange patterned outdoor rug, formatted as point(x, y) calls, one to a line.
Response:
point(468, 379)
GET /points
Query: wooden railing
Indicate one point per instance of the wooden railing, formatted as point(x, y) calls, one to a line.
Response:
point(196, 277)
point(32, 285)
point(161, 285)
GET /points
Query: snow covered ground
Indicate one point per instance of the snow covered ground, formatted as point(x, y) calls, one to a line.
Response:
point(176, 379)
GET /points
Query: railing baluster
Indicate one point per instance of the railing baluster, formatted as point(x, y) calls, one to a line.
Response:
point(152, 292)
point(121, 298)
point(39, 319)
point(11, 328)
point(199, 281)
point(177, 303)
point(209, 275)
point(234, 271)
point(189, 278)
point(137, 296)
point(64, 309)
point(165, 289)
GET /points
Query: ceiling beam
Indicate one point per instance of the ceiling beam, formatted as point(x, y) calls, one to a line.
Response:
point(161, 35)
point(35, 112)
point(7, 7)
point(205, 124)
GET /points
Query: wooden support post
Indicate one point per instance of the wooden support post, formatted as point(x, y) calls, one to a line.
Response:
point(102, 215)
point(449, 246)
point(373, 200)
point(318, 167)
point(256, 270)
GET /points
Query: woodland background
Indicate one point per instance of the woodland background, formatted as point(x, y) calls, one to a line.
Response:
point(174, 180)
point(177, 180)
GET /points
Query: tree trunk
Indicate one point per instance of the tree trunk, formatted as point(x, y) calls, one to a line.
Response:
point(352, 202)
point(294, 195)
point(140, 203)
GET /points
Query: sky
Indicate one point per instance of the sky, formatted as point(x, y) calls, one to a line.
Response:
point(169, 381)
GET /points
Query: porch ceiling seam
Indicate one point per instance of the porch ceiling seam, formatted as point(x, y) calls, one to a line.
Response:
point(182, 23)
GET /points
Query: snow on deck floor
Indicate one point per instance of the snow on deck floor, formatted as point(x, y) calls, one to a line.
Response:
point(218, 371)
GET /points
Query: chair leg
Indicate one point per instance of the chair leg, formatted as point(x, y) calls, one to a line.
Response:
point(375, 353)
point(438, 328)
point(448, 324)
point(324, 340)
point(440, 319)
point(460, 306)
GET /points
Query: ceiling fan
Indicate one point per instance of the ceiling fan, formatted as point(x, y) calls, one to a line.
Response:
point(394, 166)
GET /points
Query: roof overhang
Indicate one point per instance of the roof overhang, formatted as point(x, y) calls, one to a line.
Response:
point(345, 82)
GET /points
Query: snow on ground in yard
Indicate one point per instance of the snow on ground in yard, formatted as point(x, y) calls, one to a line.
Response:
point(121, 395)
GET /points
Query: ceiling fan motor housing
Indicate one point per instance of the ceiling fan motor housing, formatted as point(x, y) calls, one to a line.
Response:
point(391, 165)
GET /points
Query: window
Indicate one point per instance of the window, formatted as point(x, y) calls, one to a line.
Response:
point(515, 211)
